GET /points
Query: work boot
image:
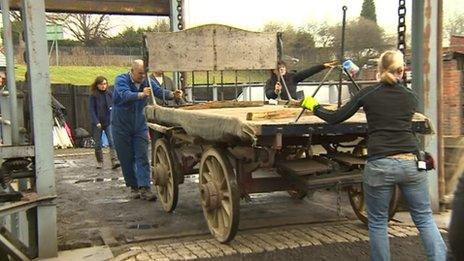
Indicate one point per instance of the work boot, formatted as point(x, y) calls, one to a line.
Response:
point(115, 164)
point(114, 160)
point(147, 194)
point(135, 193)
point(99, 164)
point(99, 157)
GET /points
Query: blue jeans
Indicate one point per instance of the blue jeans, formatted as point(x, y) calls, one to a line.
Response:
point(380, 178)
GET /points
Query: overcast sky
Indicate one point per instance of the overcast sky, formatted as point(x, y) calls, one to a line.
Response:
point(254, 14)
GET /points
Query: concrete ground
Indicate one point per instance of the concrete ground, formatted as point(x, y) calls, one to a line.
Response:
point(94, 209)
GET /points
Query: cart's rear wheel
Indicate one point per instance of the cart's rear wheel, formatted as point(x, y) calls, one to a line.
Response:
point(356, 193)
point(219, 194)
point(164, 175)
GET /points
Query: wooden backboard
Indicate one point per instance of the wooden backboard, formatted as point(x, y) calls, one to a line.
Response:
point(211, 48)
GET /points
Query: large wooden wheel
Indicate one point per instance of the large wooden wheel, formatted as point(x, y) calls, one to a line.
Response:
point(164, 175)
point(356, 193)
point(219, 194)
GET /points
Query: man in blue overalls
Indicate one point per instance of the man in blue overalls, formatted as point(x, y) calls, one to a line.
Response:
point(130, 131)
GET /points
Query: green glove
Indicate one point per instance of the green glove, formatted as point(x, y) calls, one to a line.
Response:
point(309, 103)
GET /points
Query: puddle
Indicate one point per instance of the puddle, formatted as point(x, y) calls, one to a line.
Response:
point(142, 226)
point(62, 164)
point(95, 180)
point(192, 178)
point(111, 200)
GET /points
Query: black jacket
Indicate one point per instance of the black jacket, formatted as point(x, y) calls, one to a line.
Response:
point(100, 106)
point(292, 80)
point(389, 110)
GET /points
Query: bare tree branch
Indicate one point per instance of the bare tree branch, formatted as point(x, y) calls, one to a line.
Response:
point(86, 28)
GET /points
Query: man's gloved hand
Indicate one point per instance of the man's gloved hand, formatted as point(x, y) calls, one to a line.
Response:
point(309, 103)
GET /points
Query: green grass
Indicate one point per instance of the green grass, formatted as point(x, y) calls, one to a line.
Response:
point(77, 75)
point(84, 75)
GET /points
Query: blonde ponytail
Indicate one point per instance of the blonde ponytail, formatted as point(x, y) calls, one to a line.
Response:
point(388, 77)
point(390, 63)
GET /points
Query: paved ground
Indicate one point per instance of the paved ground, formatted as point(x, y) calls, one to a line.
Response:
point(94, 209)
point(330, 241)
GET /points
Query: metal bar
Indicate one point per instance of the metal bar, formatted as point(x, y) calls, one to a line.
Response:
point(13, 240)
point(74, 105)
point(222, 85)
point(351, 79)
point(10, 75)
point(16, 151)
point(193, 86)
point(236, 85)
point(8, 209)
point(207, 85)
point(113, 7)
point(174, 24)
point(11, 249)
point(282, 80)
point(342, 56)
point(425, 69)
point(440, 109)
point(39, 79)
point(322, 82)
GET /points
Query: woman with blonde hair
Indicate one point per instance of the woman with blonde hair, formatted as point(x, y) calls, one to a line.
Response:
point(391, 147)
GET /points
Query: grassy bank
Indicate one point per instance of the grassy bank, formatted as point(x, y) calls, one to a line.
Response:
point(84, 75)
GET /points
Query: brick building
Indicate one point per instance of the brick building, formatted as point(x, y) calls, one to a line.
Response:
point(453, 84)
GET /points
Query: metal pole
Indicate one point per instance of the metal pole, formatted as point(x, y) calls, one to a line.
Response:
point(425, 81)
point(176, 23)
point(342, 55)
point(193, 86)
point(10, 75)
point(441, 150)
point(39, 80)
point(236, 85)
point(56, 53)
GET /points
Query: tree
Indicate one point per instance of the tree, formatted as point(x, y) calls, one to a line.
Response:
point(86, 28)
point(368, 10)
point(364, 39)
point(454, 26)
point(297, 43)
point(132, 37)
point(321, 34)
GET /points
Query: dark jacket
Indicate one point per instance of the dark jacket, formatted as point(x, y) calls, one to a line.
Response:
point(389, 110)
point(292, 80)
point(128, 111)
point(100, 106)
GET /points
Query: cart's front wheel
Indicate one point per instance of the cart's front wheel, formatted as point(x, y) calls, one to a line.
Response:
point(356, 195)
point(164, 176)
point(219, 194)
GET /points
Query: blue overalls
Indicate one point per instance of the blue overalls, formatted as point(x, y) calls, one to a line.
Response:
point(130, 131)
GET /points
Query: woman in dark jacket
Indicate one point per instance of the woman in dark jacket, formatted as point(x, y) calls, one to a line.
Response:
point(391, 148)
point(274, 87)
point(100, 103)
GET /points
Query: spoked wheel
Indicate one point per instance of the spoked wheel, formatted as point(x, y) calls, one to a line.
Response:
point(356, 193)
point(219, 194)
point(164, 176)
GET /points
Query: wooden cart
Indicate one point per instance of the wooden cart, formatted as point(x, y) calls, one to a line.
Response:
point(240, 148)
point(227, 150)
